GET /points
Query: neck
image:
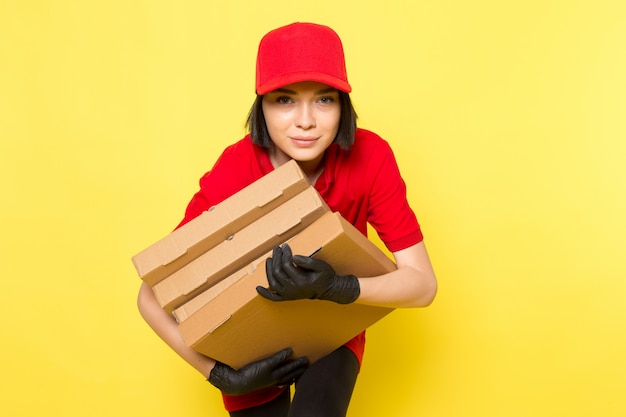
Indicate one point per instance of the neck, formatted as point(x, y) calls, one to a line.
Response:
point(312, 173)
point(312, 169)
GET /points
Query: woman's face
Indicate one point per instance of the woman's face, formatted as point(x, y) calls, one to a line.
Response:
point(302, 120)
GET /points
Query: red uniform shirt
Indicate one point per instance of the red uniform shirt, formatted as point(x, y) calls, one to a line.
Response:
point(363, 184)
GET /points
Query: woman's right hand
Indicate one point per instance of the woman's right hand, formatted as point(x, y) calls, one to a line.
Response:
point(275, 370)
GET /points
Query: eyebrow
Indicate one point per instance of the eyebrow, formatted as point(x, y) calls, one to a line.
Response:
point(320, 92)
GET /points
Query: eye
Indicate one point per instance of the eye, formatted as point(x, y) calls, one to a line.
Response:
point(283, 100)
point(326, 99)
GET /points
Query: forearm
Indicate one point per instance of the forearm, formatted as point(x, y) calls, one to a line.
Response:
point(402, 288)
point(166, 328)
point(413, 284)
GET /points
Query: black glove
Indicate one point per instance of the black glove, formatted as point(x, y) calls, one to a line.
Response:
point(301, 277)
point(275, 370)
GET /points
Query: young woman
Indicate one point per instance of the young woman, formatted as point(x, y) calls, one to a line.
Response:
point(303, 112)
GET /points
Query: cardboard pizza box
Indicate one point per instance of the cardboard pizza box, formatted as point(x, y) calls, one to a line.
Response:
point(231, 323)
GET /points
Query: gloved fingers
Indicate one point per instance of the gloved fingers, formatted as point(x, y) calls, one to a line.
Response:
point(286, 262)
point(274, 360)
point(270, 295)
point(251, 377)
point(312, 264)
point(278, 281)
point(277, 267)
point(273, 273)
point(289, 268)
point(287, 367)
point(267, 364)
point(289, 372)
point(293, 264)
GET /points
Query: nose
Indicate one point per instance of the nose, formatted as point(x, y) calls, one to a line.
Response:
point(305, 116)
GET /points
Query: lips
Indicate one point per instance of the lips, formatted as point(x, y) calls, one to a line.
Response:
point(304, 141)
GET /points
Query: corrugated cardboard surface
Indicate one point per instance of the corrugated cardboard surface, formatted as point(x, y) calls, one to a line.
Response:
point(234, 325)
point(215, 225)
point(183, 312)
point(240, 248)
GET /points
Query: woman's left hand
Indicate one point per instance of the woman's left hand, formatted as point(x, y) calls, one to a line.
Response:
point(301, 277)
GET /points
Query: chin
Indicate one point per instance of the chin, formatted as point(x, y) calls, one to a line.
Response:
point(299, 157)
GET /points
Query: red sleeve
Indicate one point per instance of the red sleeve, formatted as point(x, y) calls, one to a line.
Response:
point(389, 211)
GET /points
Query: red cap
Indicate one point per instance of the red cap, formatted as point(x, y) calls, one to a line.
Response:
point(300, 52)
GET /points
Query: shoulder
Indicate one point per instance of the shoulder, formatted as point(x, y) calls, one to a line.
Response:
point(368, 151)
point(365, 155)
point(369, 146)
point(367, 139)
point(242, 148)
point(243, 158)
point(366, 163)
point(239, 165)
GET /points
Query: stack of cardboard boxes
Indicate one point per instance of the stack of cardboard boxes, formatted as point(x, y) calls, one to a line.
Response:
point(205, 273)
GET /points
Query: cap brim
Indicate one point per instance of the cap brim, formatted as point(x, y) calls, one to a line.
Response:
point(287, 79)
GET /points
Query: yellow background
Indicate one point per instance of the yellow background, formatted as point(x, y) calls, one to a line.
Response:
point(508, 120)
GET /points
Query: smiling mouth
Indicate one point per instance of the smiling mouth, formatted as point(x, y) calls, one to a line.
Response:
point(303, 142)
